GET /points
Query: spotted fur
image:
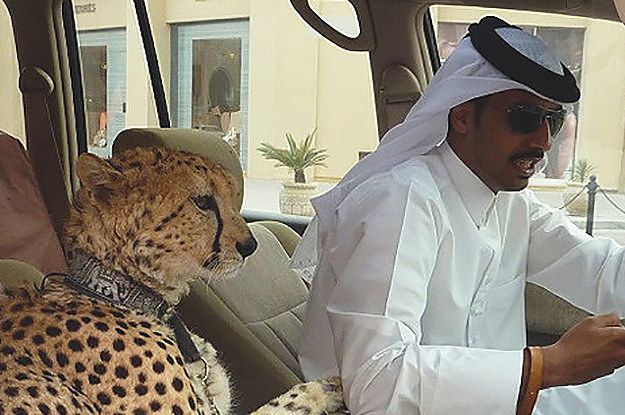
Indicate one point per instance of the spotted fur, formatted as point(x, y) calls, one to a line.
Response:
point(64, 355)
point(313, 398)
point(163, 217)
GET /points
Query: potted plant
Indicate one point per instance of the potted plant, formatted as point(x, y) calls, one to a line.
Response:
point(580, 171)
point(295, 196)
point(576, 202)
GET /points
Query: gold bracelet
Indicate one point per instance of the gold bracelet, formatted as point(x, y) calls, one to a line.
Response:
point(534, 382)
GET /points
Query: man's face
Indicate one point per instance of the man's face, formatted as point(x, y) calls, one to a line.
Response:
point(502, 158)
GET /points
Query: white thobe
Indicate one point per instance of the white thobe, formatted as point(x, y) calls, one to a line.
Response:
point(418, 300)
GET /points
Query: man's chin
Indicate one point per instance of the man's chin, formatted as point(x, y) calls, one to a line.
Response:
point(517, 186)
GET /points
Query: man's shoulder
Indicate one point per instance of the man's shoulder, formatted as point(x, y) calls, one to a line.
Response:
point(415, 175)
point(419, 170)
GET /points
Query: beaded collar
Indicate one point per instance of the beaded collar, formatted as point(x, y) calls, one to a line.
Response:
point(90, 277)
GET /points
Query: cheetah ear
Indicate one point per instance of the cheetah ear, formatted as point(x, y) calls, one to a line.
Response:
point(97, 174)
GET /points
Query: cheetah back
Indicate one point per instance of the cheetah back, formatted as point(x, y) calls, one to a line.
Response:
point(69, 352)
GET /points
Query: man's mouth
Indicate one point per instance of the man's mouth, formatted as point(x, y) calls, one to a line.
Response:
point(526, 165)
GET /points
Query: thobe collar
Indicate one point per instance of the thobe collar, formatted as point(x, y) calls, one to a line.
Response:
point(478, 199)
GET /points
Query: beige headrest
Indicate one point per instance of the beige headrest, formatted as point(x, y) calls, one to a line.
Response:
point(204, 143)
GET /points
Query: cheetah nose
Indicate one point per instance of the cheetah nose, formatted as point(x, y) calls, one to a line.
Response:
point(248, 247)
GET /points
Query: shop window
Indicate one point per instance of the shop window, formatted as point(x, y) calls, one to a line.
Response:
point(103, 57)
point(216, 90)
point(209, 80)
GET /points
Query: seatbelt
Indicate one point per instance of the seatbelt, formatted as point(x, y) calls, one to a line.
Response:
point(36, 86)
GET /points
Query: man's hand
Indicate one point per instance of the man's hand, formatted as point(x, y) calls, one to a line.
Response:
point(593, 348)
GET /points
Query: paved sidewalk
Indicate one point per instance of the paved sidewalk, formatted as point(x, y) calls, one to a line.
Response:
point(609, 222)
point(263, 195)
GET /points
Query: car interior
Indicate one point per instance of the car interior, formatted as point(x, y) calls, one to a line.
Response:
point(253, 320)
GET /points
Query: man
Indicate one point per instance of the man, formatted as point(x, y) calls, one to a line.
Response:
point(422, 252)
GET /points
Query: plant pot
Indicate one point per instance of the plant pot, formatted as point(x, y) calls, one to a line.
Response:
point(295, 198)
point(579, 206)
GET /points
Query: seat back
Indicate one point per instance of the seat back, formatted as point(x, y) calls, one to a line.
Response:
point(254, 321)
point(26, 232)
point(256, 374)
point(268, 297)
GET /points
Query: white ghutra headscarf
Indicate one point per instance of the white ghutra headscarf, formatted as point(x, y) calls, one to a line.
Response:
point(464, 76)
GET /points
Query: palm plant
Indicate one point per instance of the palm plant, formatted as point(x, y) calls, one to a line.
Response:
point(295, 157)
point(581, 170)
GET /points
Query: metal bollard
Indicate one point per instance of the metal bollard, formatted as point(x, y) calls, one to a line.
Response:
point(590, 214)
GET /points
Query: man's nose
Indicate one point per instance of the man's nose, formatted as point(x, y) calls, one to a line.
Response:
point(542, 137)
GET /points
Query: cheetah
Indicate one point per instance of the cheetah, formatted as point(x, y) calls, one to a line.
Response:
point(105, 338)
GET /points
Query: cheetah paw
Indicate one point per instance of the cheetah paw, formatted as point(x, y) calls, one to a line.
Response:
point(323, 397)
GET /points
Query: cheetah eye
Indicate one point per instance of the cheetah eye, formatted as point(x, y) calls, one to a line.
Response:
point(205, 202)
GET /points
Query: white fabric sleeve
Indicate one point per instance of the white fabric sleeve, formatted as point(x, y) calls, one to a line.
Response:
point(376, 307)
point(586, 271)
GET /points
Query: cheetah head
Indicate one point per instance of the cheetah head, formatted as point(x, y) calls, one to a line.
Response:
point(162, 216)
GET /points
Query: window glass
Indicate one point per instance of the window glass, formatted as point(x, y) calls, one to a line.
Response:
point(12, 114)
point(249, 71)
point(256, 74)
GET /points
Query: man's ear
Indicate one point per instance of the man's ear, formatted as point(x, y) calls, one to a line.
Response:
point(462, 118)
point(97, 175)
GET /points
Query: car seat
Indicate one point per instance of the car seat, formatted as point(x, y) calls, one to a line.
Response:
point(26, 232)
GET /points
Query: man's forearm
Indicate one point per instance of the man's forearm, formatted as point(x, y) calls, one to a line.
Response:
point(524, 376)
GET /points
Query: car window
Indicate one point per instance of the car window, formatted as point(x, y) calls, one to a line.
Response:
point(12, 114)
point(250, 73)
point(255, 75)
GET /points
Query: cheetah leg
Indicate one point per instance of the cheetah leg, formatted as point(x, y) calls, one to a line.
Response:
point(215, 388)
point(324, 397)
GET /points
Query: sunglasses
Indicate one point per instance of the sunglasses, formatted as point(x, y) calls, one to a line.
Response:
point(527, 118)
